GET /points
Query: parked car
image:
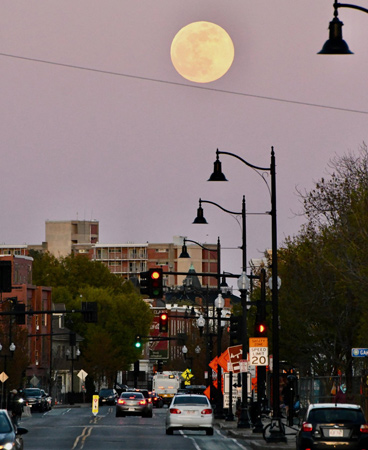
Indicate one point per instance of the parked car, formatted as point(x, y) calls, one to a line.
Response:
point(34, 398)
point(108, 397)
point(133, 403)
point(10, 437)
point(333, 425)
point(189, 412)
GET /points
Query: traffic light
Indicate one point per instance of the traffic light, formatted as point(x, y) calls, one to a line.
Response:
point(261, 329)
point(164, 323)
point(137, 342)
point(160, 364)
point(89, 312)
point(235, 330)
point(155, 283)
point(72, 339)
point(5, 276)
point(20, 317)
point(143, 284)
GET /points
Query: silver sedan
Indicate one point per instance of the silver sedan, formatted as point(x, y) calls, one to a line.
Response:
point(189, 412)
point(132, 403)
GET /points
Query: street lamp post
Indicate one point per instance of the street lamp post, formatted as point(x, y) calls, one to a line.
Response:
point(335, 45)
point(185, 254)
point(218, 175)
point(12, 350)
point(219, 304)
point(244, 421)
point(72, 355)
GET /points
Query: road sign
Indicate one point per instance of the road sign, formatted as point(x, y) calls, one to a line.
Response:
point(187, 375)
point(258, 351)
point(3, 377)
point(243, 366)
point(359, 352)
point(236, 354)
point(82, 375)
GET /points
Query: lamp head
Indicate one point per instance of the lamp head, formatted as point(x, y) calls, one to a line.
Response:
point(184, 252)
point(200, 219)
point(335, 45)
point(217, 174)
point(219, 302)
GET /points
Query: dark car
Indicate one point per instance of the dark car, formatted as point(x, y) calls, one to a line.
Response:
point(108, 396)
point(10, 437)
point(47, 400)
point(333, 425)
point(34, 398)
point(132, 403)
point(157, 401)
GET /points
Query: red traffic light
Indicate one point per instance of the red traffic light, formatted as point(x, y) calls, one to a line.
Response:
point(164, 323)
point(155, 283)
point(261, 329)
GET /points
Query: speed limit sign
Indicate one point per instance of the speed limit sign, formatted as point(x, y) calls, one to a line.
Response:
point(258, 351)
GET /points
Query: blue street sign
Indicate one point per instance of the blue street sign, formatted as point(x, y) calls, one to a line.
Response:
point(359, 352)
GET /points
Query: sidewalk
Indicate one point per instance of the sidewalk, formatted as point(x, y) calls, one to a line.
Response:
point(253, 440)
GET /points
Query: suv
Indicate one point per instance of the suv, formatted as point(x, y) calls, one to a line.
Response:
point(108, 396)
point(34, 398)
point(333, 425)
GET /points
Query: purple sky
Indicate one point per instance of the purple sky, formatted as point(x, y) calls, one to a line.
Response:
point(131, 143)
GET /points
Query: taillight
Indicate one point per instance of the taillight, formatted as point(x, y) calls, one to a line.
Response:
point(307, 426)
point(142, 402)
point(175, 411)
point(364, 428)
point(207, 411)
point(121, 402)
point(150, 400)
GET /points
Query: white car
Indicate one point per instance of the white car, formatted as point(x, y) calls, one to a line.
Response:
point(189, 412)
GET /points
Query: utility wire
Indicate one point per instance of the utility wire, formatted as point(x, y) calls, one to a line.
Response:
point(173, 83)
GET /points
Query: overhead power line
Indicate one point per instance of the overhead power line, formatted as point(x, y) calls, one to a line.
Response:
point(173, 83)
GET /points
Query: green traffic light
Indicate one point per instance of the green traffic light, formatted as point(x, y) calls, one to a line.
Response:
point(137, 342)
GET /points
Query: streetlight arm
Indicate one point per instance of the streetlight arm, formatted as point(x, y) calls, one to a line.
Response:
point(348, 5)
point(218, 152)
point(219, 206)
point(202, 246)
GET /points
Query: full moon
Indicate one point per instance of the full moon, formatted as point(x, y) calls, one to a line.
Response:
point(202, 52)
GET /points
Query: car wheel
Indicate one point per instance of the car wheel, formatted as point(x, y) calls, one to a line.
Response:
point(169, 431)
point(209, 432)
point(118, 413)
point(150, 414)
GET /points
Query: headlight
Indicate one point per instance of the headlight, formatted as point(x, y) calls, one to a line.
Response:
point(8, 446)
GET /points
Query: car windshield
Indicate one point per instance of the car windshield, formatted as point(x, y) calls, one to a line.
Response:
point(190, 400)
point(32, 392)
point(106, 392)
point(131, 395)
point(336, 415)
point(5, 426)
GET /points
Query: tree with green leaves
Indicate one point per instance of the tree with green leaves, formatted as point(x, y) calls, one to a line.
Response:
point(107, 346)
point(324, 272)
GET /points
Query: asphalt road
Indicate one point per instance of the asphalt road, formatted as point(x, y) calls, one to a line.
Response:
point(77, 429)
